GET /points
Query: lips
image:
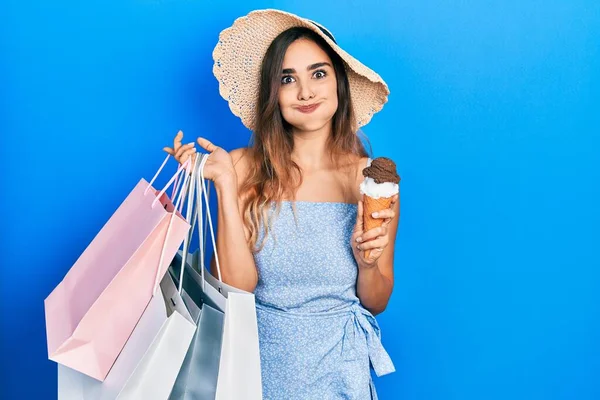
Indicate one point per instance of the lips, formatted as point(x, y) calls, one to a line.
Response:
point(308, 109)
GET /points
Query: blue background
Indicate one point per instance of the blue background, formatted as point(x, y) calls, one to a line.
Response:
point(493, 121)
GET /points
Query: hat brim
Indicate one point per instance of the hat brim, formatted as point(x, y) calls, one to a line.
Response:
point(238, 58)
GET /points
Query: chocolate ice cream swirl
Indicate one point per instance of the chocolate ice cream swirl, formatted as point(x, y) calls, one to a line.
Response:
point(382, 170)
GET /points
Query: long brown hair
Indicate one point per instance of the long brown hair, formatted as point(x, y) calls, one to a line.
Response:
point(272, 174)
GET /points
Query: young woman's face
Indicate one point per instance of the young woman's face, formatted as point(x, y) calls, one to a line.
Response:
point(308, 93)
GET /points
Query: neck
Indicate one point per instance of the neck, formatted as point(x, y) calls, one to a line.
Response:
point(310, 148)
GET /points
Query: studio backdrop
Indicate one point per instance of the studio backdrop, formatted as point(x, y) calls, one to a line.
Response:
point(493, 121)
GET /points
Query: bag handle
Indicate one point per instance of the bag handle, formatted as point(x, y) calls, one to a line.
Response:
point(177, 206)
point(199, 190)
point(202, 188)
point(191, 192)
point(181, 168)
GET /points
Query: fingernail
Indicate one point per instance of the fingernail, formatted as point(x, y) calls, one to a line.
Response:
point(358, 246)
point(375, 214)
point(359, 239)
point(191, 144)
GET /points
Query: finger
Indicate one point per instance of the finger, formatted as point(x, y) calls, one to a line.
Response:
point(193, 161)
point(186, 154)
point(359, 218)
point(184, 158)
point(169, 150)
point(394, 200)
point(182, 149)
point(356, 236)
point(373, 254)
point(386, 223)
point(177, 140)
point(206, 144)
point(374, 233)
point(382, 242)
point(384, 214)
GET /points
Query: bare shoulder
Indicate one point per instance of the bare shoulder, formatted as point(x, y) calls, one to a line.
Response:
point(241, 162)
point(239, 154)
point(361, 164)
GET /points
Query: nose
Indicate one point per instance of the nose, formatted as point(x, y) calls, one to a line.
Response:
point(305, 92)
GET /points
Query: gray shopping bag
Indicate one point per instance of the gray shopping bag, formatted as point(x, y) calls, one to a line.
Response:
point(238, 372)
point(197, 378)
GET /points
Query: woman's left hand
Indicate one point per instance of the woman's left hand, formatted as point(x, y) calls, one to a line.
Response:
point(375, 239)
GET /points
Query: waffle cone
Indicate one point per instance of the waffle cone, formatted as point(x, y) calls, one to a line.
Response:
point(370, 205)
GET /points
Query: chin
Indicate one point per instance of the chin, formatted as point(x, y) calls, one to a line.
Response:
point(311, 123)
point(310, 126)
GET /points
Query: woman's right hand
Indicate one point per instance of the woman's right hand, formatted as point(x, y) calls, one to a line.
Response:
point(180, 152)
point(219, 166)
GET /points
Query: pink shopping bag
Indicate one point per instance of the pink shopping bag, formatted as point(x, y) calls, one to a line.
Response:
point(93, 311)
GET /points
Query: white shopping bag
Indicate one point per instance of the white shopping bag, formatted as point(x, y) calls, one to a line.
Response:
point(239, 365)
point(74, 385)
point(150, 361)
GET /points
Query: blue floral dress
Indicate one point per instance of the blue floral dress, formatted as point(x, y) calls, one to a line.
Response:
point(316, 339)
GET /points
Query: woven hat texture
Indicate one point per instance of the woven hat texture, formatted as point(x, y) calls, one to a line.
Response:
point(240, 50)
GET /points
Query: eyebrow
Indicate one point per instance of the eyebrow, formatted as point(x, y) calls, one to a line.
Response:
point(309, 68)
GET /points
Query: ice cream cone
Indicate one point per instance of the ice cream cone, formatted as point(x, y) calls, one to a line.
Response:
point(370, 205)
point(378, 189)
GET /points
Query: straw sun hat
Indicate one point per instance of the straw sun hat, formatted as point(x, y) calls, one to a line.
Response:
point(239, 53)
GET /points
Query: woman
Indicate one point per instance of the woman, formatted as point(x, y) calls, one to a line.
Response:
point(290, 210)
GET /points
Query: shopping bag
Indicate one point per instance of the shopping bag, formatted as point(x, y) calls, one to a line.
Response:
point(150, 361)
point(155, 376)
point(239, 362)
point(93, 311)
point(198, 375)
point(74, 385)
point(239, 373)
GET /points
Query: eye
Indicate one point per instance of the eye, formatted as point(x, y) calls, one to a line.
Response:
point(320, 74)
point(287, 79)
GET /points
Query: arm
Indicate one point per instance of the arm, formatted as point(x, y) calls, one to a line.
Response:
point(376, 274)
point(375, 282)
point(225, 170)
point(235, 258)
